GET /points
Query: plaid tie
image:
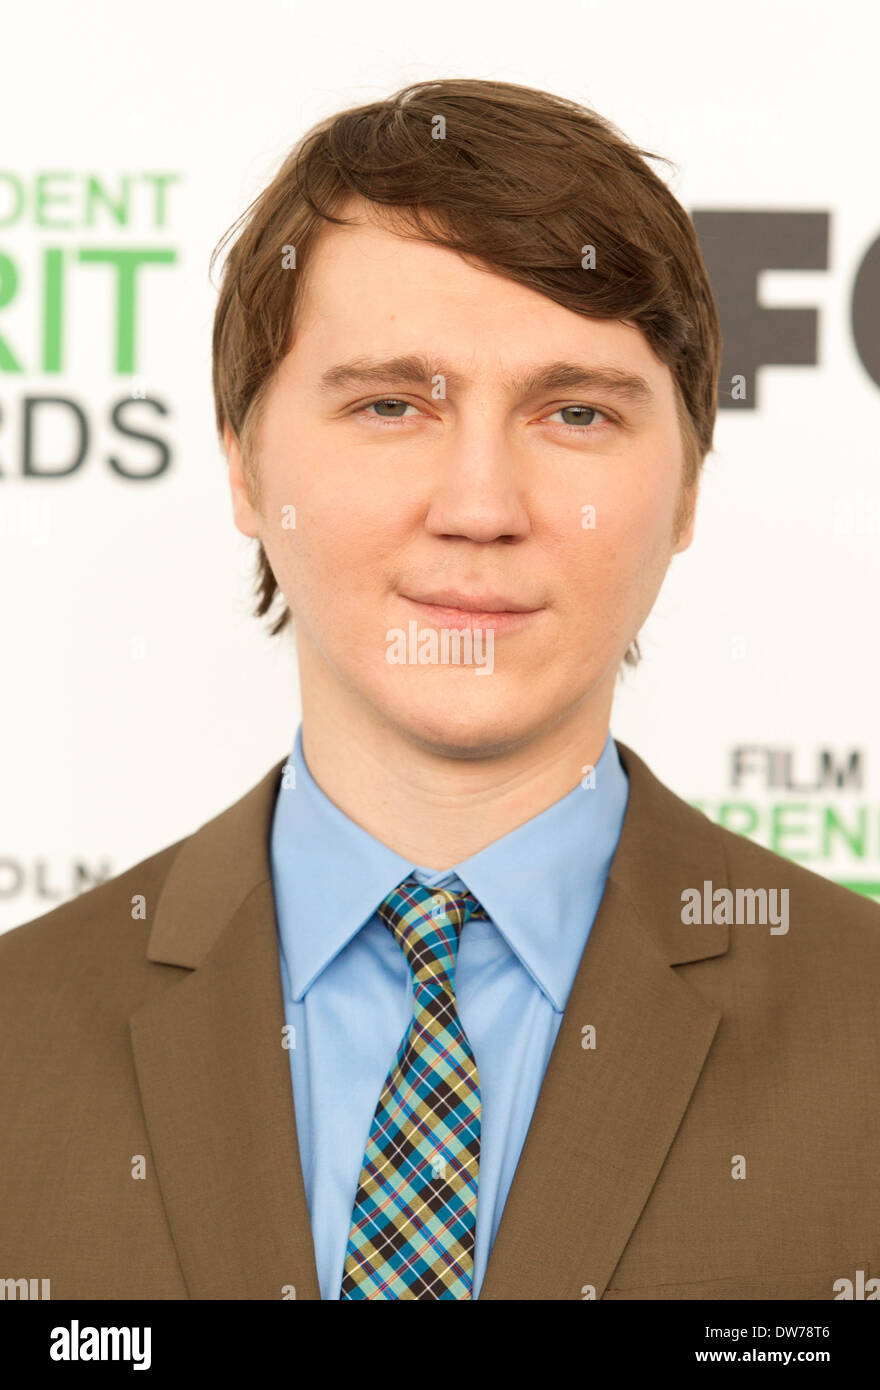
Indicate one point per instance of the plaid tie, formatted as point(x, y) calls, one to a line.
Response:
point(414, 1217)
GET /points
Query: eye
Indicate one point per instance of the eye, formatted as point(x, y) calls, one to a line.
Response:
point(400, 406)
point(394, 402)
point(583, 426)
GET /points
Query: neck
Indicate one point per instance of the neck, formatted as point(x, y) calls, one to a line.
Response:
point(434, 809)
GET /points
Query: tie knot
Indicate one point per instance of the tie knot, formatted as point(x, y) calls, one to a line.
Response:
point(426, 923)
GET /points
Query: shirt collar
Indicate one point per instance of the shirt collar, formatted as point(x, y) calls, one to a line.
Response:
point(541, 883)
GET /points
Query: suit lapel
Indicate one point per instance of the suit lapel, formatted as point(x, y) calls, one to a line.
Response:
point(606, 1117)
point(215, 1079)
point(213, 1074)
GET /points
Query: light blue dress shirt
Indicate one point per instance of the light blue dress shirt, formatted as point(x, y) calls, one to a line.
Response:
point(348, 991)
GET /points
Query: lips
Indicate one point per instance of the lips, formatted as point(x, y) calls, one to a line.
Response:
point(448, 609)
point(473, 603)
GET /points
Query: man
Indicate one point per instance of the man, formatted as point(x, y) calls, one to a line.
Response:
point(459, 1001)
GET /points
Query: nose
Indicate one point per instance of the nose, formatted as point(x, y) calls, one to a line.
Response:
point(479, 492)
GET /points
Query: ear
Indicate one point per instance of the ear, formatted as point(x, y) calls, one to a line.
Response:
point(243, 513)
point(687, 531)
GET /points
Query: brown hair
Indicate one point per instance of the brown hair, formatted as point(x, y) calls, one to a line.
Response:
point(520, 180)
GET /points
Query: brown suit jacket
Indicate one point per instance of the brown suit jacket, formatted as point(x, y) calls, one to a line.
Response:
point(160, 1036)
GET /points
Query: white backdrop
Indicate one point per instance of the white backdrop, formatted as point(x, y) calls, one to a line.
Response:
point(138, 696)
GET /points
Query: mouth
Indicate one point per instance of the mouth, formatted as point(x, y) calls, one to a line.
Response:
point(451, 610)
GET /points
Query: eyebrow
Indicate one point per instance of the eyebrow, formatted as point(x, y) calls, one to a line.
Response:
point(418, 370)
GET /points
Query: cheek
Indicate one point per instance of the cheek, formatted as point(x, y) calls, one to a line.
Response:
point(619, 560)
point(636, 526)
point(341, 549)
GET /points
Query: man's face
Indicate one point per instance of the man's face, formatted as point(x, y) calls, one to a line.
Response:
point(471, 483)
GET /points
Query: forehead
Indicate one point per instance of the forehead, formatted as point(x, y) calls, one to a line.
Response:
point(374, 287)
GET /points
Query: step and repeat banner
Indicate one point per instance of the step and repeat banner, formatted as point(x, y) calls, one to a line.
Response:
point(139, 697)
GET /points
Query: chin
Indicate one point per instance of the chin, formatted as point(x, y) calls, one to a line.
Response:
point(456, 728)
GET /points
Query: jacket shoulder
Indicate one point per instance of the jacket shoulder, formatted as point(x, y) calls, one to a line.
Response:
point(746, 857)
point(77, 929)
point(689, 848)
